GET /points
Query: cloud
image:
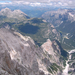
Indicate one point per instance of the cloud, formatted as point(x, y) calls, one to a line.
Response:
point(35, 4)
point(57, 3)
point(5, 2)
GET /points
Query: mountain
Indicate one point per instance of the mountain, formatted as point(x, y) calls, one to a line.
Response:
point(10, 15)
point(57, 17)
point(41, 30)
point(37, 46)
point(64, 22)
point(32, 11)
point(36, 28)
point(19, 55)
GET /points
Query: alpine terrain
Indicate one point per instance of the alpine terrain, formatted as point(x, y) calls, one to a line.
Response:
point(37, 46)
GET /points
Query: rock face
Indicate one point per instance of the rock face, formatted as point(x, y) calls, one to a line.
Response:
point(20, 56)
point(17, 54)
point(57, 17)
point(54, 50)
point(13, 14)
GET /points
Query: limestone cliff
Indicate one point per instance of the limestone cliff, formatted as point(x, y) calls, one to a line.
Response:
point(20, 56)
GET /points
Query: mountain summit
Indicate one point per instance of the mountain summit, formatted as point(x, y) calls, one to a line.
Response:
point(13, 14)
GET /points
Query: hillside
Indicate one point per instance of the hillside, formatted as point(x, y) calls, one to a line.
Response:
point(57, 17)
point(37, 28)
point(64, 22)
point(19, 55)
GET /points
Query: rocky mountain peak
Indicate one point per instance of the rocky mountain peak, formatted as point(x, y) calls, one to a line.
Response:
point(13, 14)
point(47, 46)
point(6, 10)
point(19, 12)
point(51, 47)
point(20, 56)
point(57, 16)
point(54, 49)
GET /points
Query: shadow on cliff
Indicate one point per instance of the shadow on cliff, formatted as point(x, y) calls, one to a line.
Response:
point(63, 52)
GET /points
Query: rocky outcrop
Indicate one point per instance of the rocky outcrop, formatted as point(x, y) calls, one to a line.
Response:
point(54, 50)
point(20, 56)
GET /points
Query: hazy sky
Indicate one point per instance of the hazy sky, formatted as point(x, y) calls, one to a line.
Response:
point(58, 3)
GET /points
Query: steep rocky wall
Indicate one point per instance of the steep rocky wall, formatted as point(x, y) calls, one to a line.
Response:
point(20, 56)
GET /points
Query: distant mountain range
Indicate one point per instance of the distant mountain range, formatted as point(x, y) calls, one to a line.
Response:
point(31, 11)
point(64, 21)
point(58, 16)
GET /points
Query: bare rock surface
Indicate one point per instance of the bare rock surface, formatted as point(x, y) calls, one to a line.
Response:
point(20, 56)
